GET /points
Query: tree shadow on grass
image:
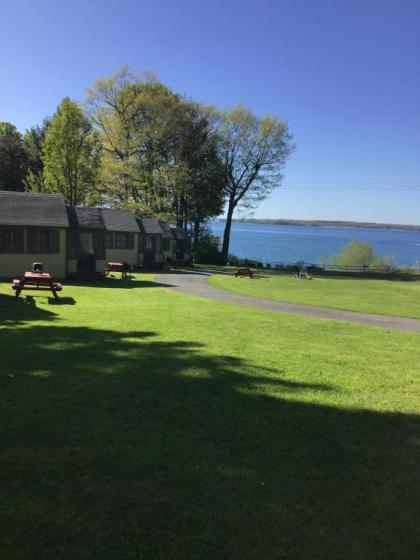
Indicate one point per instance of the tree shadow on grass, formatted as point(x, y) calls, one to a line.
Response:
point(25, 309)
point(118, 445)
point(61, 301)
point(134, 283)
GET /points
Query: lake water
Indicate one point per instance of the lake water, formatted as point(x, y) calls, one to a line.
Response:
point(273, 244)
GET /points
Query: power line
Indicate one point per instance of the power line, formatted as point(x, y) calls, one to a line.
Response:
point(352, 188)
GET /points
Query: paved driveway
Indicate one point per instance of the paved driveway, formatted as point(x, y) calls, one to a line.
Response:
point(196, 283)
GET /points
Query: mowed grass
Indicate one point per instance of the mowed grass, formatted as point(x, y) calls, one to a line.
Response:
point(140, 423)
point(384, 297)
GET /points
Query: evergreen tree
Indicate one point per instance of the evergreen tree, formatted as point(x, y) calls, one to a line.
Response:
point(13, 159)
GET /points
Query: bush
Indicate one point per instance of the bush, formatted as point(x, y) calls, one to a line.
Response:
point(357, 253)
point(207, 250)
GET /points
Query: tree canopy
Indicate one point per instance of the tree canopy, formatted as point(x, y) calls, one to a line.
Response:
point(254, 151)
point(160, 156)
point(33, 143)
point(13, 158)
point(71, 155)
point(137, 144)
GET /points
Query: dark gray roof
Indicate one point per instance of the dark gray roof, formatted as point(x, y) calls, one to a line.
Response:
point(119, 220)
point(32, 209)
point(150, 226)
point(166, 230)
point(179, 233)
point(85, 218)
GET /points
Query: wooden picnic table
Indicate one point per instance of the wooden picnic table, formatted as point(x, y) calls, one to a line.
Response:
point(244, 272)
point(116, 266)
point(36, 280)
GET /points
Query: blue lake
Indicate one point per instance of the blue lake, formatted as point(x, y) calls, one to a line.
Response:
point(273, 244)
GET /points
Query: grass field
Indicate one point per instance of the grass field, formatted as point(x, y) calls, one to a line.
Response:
point(140, 423)
point(385, 297)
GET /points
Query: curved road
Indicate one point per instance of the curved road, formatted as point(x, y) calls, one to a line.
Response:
point(196, 283)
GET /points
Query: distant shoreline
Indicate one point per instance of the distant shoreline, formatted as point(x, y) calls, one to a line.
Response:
point(327, 223)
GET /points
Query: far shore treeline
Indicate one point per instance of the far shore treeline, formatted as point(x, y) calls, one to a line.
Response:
point(328, 223)
point(137, 144)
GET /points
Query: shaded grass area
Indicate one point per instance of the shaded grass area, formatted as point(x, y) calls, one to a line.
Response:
point(385, 297)
point(142, 423)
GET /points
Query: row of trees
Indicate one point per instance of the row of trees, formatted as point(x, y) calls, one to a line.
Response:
point(137, 144)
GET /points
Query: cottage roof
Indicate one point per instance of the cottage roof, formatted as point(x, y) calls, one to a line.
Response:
point(119, 220)
point(179, 233)
point(85, 218)
point(32, 209)
point(166, 230)
point(150, 226)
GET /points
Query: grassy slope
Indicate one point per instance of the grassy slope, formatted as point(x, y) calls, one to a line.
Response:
point(142, 423)
point(386, 297)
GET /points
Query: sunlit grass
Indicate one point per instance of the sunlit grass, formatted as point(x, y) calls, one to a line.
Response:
point(141, 423)
point(385, 297)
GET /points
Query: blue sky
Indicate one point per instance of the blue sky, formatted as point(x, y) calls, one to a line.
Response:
point(344, 74)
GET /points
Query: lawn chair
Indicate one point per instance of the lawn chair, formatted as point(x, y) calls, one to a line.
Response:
point(303, 274)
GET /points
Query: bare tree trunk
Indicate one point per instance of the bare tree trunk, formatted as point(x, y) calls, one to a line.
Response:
point(226, 234)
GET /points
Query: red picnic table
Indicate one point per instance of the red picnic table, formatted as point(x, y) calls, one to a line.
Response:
point(36, 280)
point(116, 266)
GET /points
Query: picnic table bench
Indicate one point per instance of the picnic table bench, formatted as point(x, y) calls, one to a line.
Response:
point(244, 272)
point(35, 281)
point(116, 266)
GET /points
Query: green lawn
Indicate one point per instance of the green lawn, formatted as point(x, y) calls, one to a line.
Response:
point(385, 297)
point(140, 423)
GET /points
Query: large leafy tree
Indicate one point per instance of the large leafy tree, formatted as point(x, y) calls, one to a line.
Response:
point(71, 154)
point(201, 195)
point(159, 149)
point(254, 151)
point(13, 159)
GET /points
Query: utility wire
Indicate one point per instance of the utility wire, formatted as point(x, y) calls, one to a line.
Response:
point(352, 188)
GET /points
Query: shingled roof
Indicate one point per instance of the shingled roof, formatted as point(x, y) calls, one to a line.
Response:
point(150, 226)
point(32, 209)
point(119, 220)
point(85, 218)
point(179, 233)
point(166, 230)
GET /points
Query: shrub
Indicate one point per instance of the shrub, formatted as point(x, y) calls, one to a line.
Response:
point(358, 253)
point(207, 250)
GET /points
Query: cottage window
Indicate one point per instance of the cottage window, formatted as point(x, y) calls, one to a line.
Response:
point(121, 240)
point(109, 240)
point(166, 244)
point(124, 240)
point(11, 240)
point(37, 241)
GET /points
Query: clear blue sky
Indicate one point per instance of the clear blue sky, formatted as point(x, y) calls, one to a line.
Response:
point(344, 74)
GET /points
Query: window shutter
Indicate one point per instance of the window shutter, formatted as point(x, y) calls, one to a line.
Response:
point(130, 241)
point(99, 244)
point(53, 241)
point(30, 240)
point(109, 240)
point(73, 243)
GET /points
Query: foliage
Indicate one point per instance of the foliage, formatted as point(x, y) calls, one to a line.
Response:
point(160, 157)
point(254, 151)
point(71, 155)
point(358, 253)
point(13, 158)
point(33, 143)
point(207, 249)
